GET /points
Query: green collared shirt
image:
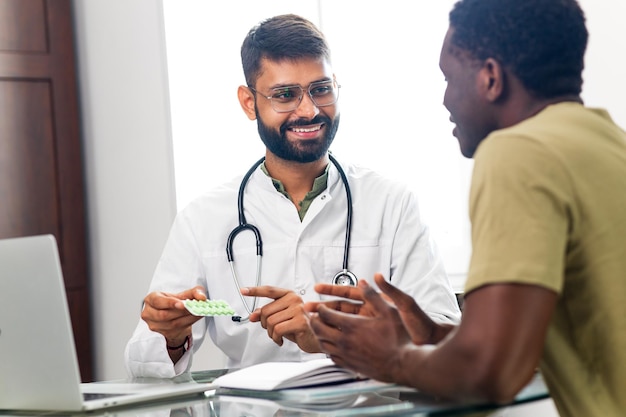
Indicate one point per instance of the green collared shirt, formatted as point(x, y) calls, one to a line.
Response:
point(319, 185)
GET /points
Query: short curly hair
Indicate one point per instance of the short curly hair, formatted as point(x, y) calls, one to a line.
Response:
point(283, 37)
point(542, 42)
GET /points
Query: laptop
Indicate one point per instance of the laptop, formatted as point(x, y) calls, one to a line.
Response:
point(38, 363)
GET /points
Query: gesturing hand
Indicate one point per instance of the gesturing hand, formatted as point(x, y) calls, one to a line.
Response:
point(419, 326)
point(367, 337)
point(284, 317)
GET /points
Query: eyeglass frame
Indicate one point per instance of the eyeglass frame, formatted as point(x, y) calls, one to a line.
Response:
point(308, 90)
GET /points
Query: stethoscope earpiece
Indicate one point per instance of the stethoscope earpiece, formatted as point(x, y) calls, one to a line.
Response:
point(345, 278)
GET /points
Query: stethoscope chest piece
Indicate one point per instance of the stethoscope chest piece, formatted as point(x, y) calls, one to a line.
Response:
point(345, 278)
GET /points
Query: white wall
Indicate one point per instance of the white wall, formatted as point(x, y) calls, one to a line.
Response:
point(128, 162)
point(131, 197)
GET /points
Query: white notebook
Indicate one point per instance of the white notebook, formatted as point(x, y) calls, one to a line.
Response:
point(38, 363)
point(271, 376)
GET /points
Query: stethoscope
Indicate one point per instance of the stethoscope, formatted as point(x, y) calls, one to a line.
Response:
point(343, 277)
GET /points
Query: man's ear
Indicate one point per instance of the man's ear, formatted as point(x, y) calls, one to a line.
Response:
point(247, 102)
point(492, 80)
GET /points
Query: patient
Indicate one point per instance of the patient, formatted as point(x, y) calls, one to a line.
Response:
point(547, 278)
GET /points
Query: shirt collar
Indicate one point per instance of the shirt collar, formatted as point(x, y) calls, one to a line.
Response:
point(319, 185)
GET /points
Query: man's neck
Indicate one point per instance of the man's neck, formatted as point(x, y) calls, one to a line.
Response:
point(297, 178)
point(520, 104)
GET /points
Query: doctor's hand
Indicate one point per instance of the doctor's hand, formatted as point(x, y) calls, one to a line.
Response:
point(284, 317)
point(421, 328)
point(165, 313)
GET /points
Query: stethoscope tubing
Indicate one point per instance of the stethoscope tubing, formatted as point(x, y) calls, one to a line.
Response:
point(244, 225)
point(346, 247)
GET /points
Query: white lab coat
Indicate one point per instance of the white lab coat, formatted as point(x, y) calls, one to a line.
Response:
point(387, 237)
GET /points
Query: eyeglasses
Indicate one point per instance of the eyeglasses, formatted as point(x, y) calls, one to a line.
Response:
point(288, 98)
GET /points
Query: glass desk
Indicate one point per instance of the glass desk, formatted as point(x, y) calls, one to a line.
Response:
point(354, 399)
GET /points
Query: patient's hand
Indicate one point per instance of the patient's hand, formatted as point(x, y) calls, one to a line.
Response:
point(420, 327)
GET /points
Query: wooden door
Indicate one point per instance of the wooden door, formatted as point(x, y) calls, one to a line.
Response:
point(41, 176)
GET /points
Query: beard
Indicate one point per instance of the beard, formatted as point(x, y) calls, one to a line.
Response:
point(303, 152)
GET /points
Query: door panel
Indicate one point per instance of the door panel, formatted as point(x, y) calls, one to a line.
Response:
point(41, 175)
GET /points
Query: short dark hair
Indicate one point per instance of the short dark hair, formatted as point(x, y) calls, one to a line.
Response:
point(542, 42)
point(284, 37)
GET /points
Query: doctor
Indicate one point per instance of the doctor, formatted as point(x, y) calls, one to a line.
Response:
point(299, 203)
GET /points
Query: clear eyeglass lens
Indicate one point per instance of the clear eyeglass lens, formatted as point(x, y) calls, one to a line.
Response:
point(286, 99)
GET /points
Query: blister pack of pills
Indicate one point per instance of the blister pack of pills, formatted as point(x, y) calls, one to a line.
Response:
point(209, 308)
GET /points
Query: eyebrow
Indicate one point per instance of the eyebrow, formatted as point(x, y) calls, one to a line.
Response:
point(285, 85)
